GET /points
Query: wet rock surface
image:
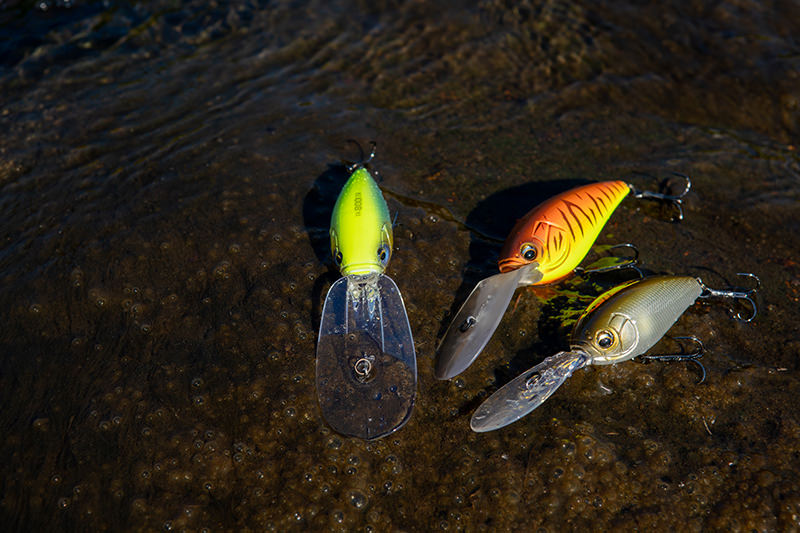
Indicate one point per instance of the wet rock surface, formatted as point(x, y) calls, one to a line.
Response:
point(165, 175)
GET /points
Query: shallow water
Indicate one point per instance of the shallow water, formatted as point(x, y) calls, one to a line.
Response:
point(166, 174)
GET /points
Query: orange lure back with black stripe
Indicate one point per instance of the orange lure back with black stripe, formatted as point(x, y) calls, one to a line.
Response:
point(559, 232)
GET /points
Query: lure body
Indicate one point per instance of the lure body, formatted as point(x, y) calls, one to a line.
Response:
point(559, 232)
point(366, 363)
point(619, 325)
point(632, 318)
point(361, 228)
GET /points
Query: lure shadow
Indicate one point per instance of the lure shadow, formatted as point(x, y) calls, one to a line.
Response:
point(317, 210)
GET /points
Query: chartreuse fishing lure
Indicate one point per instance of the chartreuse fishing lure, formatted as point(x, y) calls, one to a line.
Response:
point(366, 364)
point(545, 245)
point(620, 324)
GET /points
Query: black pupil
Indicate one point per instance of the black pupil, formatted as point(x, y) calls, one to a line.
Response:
point(382, 253)
point(529, 254)
point(338, 257)
point(605, 342)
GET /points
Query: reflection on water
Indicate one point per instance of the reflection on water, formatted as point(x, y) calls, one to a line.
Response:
point(164, 173)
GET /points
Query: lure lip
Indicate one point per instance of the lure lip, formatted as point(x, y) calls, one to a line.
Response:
point(523, 394)
point(476, 321)
point(372, 400)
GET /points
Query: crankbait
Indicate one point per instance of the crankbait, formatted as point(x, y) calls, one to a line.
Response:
point(366, 363)
point(620, 324)
point(545, 245)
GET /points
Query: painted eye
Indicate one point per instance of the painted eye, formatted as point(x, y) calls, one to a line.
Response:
point(528, 252)
point(605, 339)
point(383, 253)
point(337, 258)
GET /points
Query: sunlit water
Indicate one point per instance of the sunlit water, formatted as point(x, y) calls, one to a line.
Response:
point(166, 174)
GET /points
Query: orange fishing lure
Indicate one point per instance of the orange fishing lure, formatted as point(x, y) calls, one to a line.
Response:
point(559, 232)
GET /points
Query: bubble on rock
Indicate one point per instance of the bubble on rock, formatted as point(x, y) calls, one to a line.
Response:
point(358, 499)
point(139, 505)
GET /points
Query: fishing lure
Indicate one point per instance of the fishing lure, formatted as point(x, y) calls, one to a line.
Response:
point(545, 245)
point(366, 364)
point(620, 324)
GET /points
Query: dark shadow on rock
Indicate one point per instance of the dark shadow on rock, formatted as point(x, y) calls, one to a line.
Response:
point(318, 207)
point(317, 210)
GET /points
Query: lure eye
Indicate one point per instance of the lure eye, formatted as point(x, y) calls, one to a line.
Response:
point(528, 252)
point(337, 258)
point(605, 339)
point(383, 253)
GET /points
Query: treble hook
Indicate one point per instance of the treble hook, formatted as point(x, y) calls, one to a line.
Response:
point(735, 294)
point(362, 162)
point(630, 263)
point(693, 357)
point(676, 199)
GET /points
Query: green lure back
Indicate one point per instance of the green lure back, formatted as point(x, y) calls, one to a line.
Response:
point(361, 229)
